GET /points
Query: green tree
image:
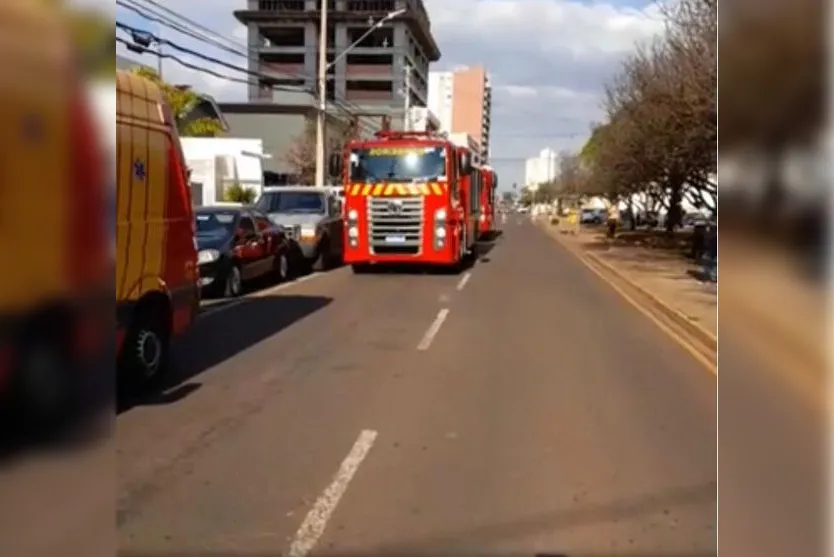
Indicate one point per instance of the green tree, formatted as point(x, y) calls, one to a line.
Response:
point(508, 197)
point(237, 193)
point(182, 101)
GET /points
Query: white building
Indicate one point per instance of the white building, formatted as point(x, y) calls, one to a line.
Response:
point(218, 162)
point(542, 168)
point(440, 97)
point(421, 119)
point(462, 101)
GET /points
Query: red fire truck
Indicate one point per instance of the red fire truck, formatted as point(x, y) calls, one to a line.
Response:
point(486, 220)
point(407, 200)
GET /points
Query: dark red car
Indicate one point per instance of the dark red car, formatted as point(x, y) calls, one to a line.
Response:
point(237, 245)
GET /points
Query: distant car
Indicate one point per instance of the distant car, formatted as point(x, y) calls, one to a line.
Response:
point(312, 217)
point(650, 219)
point(238, 244)
point(591, 216)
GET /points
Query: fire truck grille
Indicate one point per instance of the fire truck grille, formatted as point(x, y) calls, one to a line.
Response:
point(395, 225)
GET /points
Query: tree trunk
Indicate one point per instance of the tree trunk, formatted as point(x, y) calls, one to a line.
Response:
point(675, 213)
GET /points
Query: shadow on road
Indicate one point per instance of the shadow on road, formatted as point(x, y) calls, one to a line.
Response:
point(218, 336)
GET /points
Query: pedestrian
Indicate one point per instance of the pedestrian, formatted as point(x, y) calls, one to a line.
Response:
point(710, 260)
point(613, 219)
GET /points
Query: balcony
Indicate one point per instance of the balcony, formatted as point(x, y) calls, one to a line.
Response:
point(359, 70)
point(368, 95)
point(278, 69)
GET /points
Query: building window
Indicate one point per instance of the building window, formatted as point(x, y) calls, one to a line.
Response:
point(371, 6)
point(381, 38)
point(281, 5)
point(284, 36)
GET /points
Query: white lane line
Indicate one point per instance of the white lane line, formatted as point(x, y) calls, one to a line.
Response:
point(266, 291)
point(433, 329)
point(312, 528)
point(464, 279)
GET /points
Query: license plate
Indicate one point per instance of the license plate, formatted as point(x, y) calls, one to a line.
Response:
point(395, 239)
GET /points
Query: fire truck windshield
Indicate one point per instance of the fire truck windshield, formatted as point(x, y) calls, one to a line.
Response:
point(397, 164)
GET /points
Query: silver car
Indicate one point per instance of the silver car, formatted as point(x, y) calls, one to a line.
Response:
point(311, 217)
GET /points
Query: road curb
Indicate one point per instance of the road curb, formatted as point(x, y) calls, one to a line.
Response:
point(696, 333)
point(696, 330)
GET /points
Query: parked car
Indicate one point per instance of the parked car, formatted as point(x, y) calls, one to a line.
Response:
point(312, 217)
point(239, 244)
point(592, 216)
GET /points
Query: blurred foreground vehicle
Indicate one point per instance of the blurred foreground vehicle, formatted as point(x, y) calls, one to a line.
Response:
point(157, 283)
point(237, 245)
point(56, 292)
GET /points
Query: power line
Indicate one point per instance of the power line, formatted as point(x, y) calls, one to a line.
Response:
point(165, 21)
point(151, 14)
point(238, 49)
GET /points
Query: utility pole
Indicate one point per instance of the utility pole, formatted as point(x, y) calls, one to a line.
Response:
point(159, 54)
point(407, 95)
point(321, 114)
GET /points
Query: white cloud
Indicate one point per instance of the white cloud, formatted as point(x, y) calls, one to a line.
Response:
point(546, 25)
point(549, 61)
point(517, 91)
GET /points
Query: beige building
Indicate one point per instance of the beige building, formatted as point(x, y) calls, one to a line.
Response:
point(462, 101)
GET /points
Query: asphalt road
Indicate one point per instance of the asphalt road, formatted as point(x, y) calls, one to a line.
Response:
point(519, 408)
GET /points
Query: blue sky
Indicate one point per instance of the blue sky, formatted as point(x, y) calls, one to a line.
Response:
point(549, 61)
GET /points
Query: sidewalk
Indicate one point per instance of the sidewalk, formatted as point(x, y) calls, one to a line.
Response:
point(670, 278)
point(760, 291)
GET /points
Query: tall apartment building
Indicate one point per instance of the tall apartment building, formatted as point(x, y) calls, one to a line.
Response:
point(283, 45)
point(462, 101)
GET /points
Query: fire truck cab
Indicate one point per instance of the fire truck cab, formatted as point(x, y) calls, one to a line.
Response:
point(406, 200)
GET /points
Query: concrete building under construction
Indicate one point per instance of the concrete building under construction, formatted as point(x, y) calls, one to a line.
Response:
point(283, 46)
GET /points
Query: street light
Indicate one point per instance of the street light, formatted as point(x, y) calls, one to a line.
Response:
point(142, 42)
point(322, 78)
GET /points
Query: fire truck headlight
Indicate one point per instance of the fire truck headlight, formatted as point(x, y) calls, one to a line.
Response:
point(440, 233)
point(440, 214)
point(353, 232)
point(353, 214)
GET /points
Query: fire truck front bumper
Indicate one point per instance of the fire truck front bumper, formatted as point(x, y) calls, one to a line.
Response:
point(433, 252)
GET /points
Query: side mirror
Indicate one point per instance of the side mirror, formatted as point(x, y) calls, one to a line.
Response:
point(334, 165)
point(243, 235)
point(465, 165)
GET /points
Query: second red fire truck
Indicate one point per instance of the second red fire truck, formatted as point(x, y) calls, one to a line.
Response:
point(410, 198)
point(486, 219)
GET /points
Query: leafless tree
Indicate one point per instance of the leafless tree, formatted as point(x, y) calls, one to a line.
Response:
point(660, 137)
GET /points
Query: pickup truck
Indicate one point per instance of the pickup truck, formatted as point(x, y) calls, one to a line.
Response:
point(312, 217)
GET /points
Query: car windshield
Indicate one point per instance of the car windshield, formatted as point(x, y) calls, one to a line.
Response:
point(215, 223)
point(300, 202)
point(397, 164)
